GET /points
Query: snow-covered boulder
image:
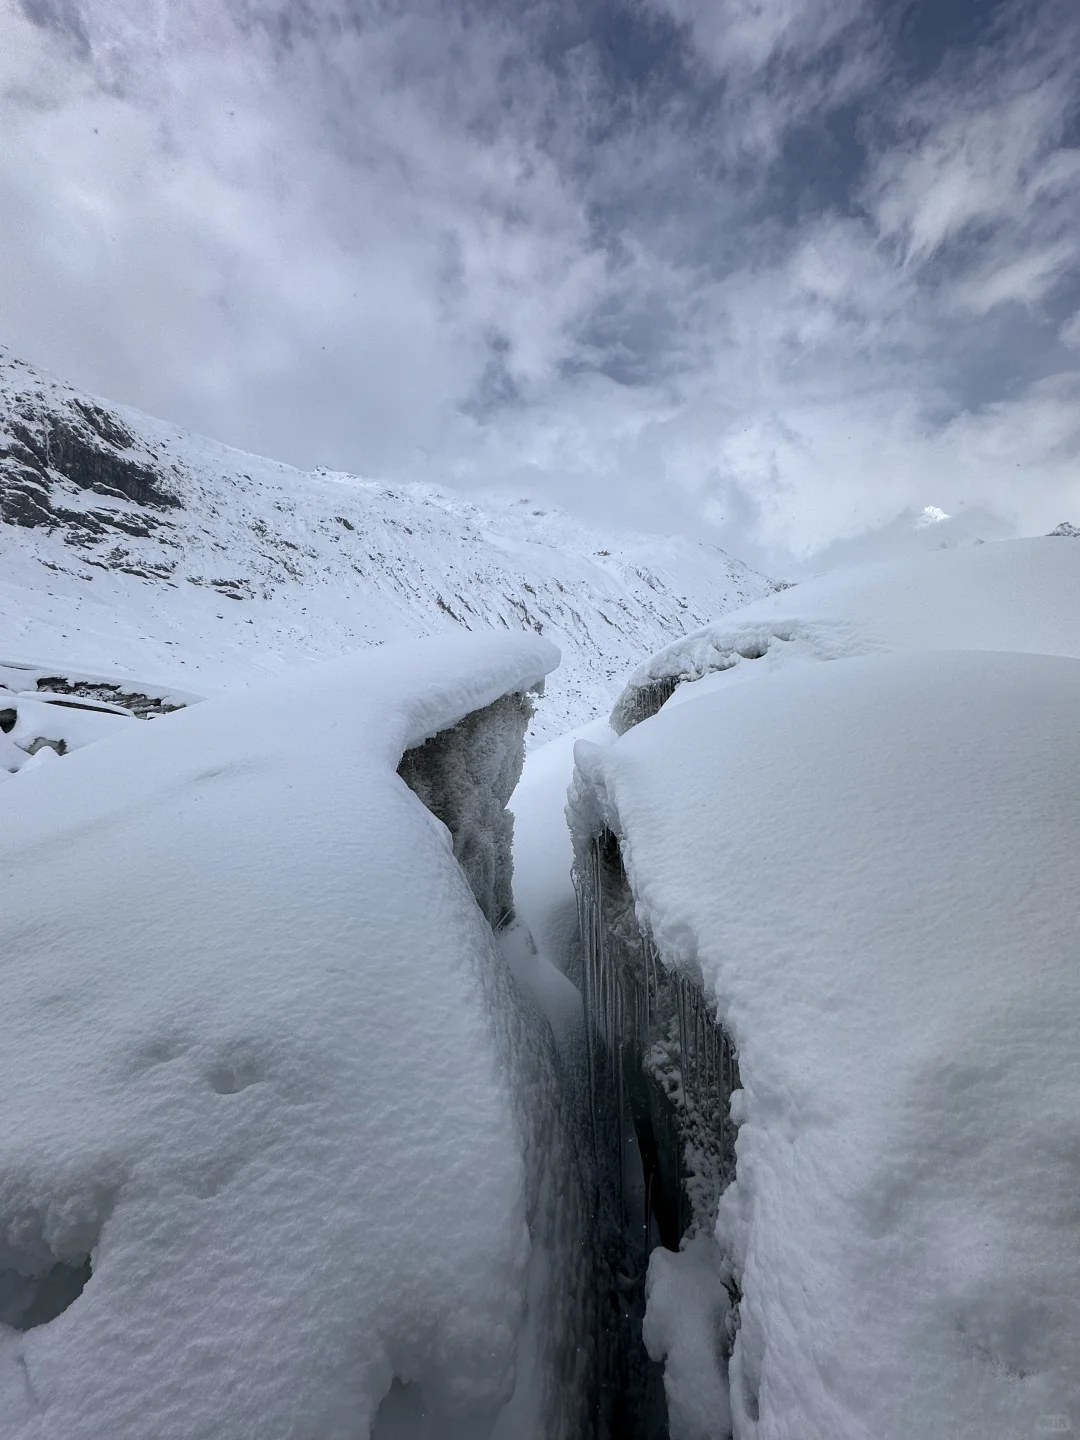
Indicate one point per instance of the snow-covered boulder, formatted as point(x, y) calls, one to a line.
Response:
point(1021, 595)
point(278, 1137)
point(868, 872)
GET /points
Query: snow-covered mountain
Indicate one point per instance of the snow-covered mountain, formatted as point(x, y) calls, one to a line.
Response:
point(130, 546)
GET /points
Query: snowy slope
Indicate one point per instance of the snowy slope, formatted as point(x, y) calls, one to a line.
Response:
point(1021, 595)
point(127, 544)
point(262, 1064)
point(872, 866)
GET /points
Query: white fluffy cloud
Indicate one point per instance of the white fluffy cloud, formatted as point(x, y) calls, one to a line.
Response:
point(447, 243)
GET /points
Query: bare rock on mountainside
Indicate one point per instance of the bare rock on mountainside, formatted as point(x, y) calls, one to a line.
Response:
point(58, 446)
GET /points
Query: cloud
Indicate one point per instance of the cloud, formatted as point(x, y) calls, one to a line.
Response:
point(681, 264)
point(745, 36)
point(961, 167)
point(1025, 280)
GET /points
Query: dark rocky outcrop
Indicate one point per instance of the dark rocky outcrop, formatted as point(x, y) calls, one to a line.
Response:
point(82, 444)
point(139, 704)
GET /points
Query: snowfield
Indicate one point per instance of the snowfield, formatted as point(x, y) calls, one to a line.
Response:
point(262, 1063)
point(1021, 595)
point(317, 1128)
point(869, 867)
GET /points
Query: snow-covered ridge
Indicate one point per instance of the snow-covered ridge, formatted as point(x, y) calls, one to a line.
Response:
point(280, 1148)
point(128, 544)
point(860, 873)
point(1020, 595)
point(869, 869)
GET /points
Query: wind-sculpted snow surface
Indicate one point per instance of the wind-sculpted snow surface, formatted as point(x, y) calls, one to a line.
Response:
point(126, 543)
point(279, 1138)
point(871, 867)
point(1021, 595)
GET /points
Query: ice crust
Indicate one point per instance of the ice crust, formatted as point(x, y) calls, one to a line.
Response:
point(264, 1065)
point(871, 865)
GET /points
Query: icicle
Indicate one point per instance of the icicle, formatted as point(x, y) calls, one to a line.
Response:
point(643, 1041)
point(681, 1006)
point(648, 1209)
point(701, 1040)
point(694, 1053)
point(590, 904)
point(622, 1115)
point(618, 1005)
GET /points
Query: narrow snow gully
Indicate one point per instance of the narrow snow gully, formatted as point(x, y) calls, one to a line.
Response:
point(661, 1071)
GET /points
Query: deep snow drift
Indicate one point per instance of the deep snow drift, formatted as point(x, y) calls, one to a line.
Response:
point(869, 868)
point(128, 544)
point(262, 1063)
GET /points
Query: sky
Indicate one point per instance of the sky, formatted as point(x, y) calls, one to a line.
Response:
point(772, 272)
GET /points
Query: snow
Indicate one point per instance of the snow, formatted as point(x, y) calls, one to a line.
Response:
point(1017, 595)
point(688, 1307)
point(41, 710)
point(55, 725)
point(293, 1145)
point(543, 888)
point(913, 531)
point(262, 567)
point(262, 1063)
point(871, 865)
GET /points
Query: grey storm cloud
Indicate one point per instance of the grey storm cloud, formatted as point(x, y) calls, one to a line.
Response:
point(780, 268)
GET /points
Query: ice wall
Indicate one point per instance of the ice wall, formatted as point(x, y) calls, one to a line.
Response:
point(661, 1071)
point(465, 776)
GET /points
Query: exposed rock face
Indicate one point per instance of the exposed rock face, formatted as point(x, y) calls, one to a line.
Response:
point(1065, 528)
point(56, 445)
